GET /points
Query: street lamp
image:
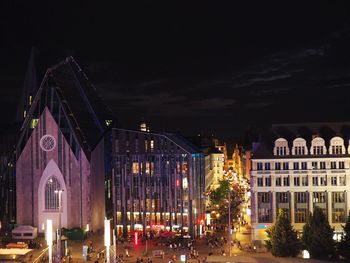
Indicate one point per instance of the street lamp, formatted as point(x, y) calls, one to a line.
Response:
point(107, 238)
point(229, 220)
point(59, 192)
point(49, 237)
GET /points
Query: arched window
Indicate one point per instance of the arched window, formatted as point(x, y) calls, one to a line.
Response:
point(299, 147)
point(337, 146)
point(318, 146)
point(281, 147)
point(51, 198)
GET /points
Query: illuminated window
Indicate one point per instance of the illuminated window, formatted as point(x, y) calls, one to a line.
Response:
point(184, 183)
point(34, 123)
point(108, 122)
point(147, 168)
point(51, 198)
point(152, 145)
point(135, 167)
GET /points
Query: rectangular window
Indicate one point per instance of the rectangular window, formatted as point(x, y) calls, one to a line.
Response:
point(318, 150)
point(296, 181)
point(323, 180)
point(286, 181)
point(314, 165)
point(277, 166)
point(334, 180)
point(342, 181)
point(301, 208)
point(315, 180)
point(283, 202)
point(296, 166)
point(135, 167)
point(338, 207)
point(259, 166)
point(260, 181)
point(282, 198)
point(264, 208)
point(333, 165)
point(337, 149)
point(304, 181)
point(320, 199)
point(285, 166)
point(267, 181)
point(322, 165)
point(341, 165)
point(278, 181)
point(267, 166)
point(304, 165)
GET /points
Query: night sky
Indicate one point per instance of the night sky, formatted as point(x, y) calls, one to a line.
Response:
point(199, 68)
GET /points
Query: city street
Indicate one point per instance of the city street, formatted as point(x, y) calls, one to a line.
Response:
point(138, 251)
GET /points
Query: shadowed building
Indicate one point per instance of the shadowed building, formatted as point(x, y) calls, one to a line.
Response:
point(62, 147)
point(159, 182)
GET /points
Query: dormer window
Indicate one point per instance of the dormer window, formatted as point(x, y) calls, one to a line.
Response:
point(318, 146)
point(299, 147)
point(337, 146)
point(281, 147)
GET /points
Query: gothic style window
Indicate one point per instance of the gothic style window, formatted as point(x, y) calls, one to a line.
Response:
point(51, 198)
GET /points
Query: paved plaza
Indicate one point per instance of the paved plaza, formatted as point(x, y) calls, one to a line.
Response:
point(139, 251)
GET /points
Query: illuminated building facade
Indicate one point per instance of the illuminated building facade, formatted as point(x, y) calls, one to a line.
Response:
point(159, 181)
point(62, 146)
point(298, 173)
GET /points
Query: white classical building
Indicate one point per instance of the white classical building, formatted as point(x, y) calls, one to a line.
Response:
point(296, 175)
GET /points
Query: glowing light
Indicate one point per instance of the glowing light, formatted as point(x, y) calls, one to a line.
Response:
point(87, 229)
point(49, 232)
point(306, 254)
point(136, 238)
point(208, 218)
point(107, 233)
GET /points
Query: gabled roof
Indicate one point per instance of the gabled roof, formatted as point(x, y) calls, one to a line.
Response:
point(88, 112)
point(84, 110)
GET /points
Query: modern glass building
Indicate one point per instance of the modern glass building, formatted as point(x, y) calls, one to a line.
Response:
point(159, 182)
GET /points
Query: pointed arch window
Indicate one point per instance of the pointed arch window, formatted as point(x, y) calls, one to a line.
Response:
point(51, 198)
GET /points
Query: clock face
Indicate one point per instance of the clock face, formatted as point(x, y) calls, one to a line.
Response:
point(47, 143)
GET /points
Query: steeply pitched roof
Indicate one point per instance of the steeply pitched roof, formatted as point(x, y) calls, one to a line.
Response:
point(84, 110)
point(88, 112)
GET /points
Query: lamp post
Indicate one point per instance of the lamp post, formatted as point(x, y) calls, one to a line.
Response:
point(229, 220)
point(59, 192)
point(107, 238)
point(49, 237)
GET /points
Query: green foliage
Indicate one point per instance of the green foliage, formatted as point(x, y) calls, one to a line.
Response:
point(344, 244)
point(318, 235)
point(219, 198)
point(283, 241)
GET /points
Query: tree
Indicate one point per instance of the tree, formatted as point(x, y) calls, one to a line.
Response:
point(219, 198)
point(344, 244)
point(318, 235)
point(283, 241)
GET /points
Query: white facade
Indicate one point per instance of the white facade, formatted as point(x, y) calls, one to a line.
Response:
point(297, 178)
